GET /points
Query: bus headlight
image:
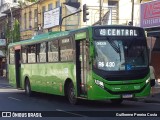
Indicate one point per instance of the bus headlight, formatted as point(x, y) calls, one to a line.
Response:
point(147, 81)
point(99, 83)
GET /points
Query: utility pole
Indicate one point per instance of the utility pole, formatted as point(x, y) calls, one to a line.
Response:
point(9, 5)
point(132, 12)
point(100, 11)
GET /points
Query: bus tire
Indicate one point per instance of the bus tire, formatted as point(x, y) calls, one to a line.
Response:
point(28, 88)
point(116, 101)
point(71, 94)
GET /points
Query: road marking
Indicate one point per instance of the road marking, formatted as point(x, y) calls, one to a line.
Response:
point(14, 98)
point(71, 113)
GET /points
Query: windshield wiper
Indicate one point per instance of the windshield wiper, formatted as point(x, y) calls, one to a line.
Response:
point(114, 46)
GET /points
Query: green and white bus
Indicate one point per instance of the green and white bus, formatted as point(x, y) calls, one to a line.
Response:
point(93, 63)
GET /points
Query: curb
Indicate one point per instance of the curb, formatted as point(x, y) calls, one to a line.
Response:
point(153, 98)
point(150, 100)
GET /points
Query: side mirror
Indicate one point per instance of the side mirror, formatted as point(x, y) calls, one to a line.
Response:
point(152, 82)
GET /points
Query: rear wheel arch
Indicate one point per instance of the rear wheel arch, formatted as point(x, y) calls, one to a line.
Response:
point(70, 91)
point(66, 84)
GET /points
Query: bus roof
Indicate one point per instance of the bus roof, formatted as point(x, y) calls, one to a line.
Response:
point(56, 34)
point(41, 37)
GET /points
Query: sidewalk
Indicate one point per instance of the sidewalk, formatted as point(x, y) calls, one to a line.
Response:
point(155, 95)
point(3, 80)
point(4, 83)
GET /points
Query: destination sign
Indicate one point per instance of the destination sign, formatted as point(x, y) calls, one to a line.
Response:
point(116, 32)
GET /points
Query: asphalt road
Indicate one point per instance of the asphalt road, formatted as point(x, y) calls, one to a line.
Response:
point(12, 100)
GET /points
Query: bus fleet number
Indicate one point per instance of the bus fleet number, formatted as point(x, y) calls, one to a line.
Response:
point(110, 64)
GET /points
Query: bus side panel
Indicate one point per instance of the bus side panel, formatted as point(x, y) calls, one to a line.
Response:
point(26, 71)
point(55, 77)
point(12, 75)
point(48, 77)
point(37, 77)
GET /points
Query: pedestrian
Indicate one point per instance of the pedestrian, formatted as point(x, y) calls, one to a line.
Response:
point(152, 79)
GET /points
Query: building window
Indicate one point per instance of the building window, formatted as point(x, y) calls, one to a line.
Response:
point(30, 20)
point(71, 0)
point(57, 3)
point(112, 3)
point(25, 21)
point(14, 1)
point(1, 2)
point(43, 10)
point(35, 18)
point(50, 6)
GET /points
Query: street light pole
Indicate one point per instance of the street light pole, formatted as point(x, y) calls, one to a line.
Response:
point(100, 11)
point(132, 12)
point(8, 4)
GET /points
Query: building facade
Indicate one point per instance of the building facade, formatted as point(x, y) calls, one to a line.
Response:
point(37, 18)
point(150, 21)
point(10, 10)
point(29, 21)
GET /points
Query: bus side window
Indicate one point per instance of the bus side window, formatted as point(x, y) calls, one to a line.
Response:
point(42, 54)
point(31, 54)
point(24, 54)
point(66, 50)
point(53, 51)
point(11, 56)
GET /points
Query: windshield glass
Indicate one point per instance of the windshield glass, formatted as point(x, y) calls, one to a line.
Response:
point(120, 54)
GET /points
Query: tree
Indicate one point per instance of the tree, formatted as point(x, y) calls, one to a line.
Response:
point(13, 35)
point(16, 31)
point(7, 33)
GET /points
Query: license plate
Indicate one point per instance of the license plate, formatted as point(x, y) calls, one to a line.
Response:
point(127, 96)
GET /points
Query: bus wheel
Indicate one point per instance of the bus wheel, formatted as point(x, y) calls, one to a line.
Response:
point(116, 101)
point(28, 88)
point(71, 94)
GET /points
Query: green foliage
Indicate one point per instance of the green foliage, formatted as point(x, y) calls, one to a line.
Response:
point(16, 31)
point(13, 35)
point(7, 32)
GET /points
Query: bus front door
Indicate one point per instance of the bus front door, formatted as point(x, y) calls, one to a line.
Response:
point(82, 64)
point(17, 67)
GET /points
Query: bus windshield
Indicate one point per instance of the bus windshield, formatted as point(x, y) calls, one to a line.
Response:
point(120, 54)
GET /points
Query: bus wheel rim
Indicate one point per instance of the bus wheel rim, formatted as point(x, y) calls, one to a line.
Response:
point(27, 89)
point(72, 94)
